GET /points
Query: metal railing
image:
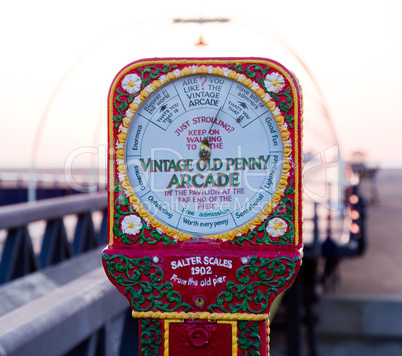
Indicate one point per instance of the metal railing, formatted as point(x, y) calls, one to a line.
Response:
point(69, 307)
point(19, 257)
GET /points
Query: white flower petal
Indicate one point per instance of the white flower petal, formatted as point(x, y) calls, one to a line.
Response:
point(131, 224)
point(276, 111)
point(274, 82)
point(131, 83)
point(226, 71)
point(129, 113)
point(276, 227)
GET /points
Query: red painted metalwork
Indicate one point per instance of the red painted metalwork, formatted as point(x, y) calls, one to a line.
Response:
point(197, 338)
point(204, 283)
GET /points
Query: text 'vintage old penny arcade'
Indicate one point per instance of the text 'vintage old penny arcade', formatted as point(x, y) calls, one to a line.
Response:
point(204, 199)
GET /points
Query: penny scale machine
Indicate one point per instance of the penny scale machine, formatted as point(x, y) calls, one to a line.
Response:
point(204, 199)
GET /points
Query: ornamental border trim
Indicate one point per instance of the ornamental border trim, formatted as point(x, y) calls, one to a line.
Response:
point(219, 71)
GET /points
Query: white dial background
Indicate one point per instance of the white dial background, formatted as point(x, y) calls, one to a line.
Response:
point(246, 146)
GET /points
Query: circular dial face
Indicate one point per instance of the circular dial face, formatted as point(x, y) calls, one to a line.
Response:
point(204, 154)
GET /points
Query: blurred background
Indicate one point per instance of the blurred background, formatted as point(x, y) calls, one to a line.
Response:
point(58, 60)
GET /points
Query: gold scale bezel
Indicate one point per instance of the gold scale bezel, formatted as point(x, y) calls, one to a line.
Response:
point(145, 93)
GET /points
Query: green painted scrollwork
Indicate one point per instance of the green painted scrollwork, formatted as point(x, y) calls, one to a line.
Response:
point(250, 295)
point(249, 339)
point(121, 103)
point(122, 209)
point(152, 73)
point(123, 100)
point(283, 211)
point(251, 71)
point(143, 281)
point(285, 105)
point(151, 337)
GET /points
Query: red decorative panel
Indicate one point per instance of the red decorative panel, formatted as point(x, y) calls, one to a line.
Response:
point(200, 339)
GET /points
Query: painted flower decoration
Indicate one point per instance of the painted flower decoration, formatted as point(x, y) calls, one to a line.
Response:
point(177, 72)
point(276, 112)
point(131, 83)
point(277, 227)
point(226, 71)
point(131, 224)
point(274, 82)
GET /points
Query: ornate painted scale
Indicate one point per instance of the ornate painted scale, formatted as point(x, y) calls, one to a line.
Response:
point(204, 189)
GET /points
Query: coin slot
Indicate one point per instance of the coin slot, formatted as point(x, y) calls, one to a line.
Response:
point(199, 302)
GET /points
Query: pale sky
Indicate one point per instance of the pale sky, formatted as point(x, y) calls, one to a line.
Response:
point(73, 50)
